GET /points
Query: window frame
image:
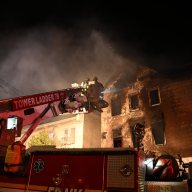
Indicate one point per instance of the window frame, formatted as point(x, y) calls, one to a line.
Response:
point(129, 97)
point(117, 137)
point(114, 99)
point(159, 96)
point(69, 136)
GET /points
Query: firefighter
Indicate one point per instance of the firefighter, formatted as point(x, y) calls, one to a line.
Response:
point(95, 94)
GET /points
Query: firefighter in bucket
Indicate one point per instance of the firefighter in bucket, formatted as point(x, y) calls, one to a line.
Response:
point(89, 97)
point(95, 95)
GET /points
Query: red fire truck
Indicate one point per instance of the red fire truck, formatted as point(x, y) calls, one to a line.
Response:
point(77, 170)
point(48, 168)
point(52, 169)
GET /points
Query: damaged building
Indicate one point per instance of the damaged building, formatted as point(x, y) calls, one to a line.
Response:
point(152, 111)
point(161, 105)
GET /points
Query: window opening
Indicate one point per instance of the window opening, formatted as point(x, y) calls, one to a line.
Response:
point(116, 106)
point(134, 102)
point(117, 138)
point(154, 97)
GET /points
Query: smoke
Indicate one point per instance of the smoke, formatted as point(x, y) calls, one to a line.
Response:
point(49, 58)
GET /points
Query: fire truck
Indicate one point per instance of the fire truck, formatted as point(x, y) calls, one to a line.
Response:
point(51, 169)
point(47, 168)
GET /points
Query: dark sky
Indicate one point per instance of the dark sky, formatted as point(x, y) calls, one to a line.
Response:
point(64, 36)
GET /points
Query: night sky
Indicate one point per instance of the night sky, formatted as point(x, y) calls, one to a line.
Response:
point(48, 46)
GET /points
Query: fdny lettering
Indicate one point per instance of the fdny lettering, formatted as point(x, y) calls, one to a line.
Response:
point(22, 103)
point(58, 189)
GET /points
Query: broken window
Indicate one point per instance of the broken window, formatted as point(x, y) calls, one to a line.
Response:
point(115, 106)
point(134, 102)
point(117, 138)
point(137, 133)
point(117, 142)
point(158, 129)
point(154, 97)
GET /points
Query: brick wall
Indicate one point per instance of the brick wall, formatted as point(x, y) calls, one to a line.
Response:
point(174, 113)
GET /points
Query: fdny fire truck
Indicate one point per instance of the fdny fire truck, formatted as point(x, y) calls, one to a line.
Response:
point(52, 169)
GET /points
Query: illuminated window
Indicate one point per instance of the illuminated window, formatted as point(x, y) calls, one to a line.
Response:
point(15, 123)
point(116, 106)
point(133, 102)
point(154, 97)
point(51, 135)
point(65, 138)
point(11, 122)
point(72, 136)
point(69, 136)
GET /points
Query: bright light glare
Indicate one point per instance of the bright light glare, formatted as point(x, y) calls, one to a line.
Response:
point(147, 161)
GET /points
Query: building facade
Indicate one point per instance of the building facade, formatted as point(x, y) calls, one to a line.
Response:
point(162, 105)
point(71, 130)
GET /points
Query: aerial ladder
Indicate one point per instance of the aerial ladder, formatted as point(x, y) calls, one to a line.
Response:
point(80, 98)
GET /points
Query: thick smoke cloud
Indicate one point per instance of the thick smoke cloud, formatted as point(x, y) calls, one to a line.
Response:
point(49, 58)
